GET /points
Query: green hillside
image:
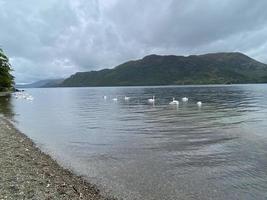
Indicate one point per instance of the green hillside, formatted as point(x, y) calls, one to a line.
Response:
point(216, 68)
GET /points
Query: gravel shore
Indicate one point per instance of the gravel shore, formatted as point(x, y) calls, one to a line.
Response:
point(27, 173)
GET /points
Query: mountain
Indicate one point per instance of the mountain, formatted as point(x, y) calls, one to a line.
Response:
point(42, 84)
point(215, 68)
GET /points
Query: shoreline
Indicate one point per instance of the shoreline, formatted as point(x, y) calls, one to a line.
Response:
point(28, 173)
point(2, 94)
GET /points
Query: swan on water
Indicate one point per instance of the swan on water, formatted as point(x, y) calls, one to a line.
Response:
point(184, 99)
point(105, 97)
point(151, 100)
point(115, 99)
point(174, 102)
point(199, 103)
point(29, 98)
point(126, 98)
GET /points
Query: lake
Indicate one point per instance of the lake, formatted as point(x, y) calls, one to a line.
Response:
point(137, 150)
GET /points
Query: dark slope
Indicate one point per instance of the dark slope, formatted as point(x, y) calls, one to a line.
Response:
point(216, 68)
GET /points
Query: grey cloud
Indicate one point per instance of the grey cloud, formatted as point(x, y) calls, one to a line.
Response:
point(54, 38)
point(188, 24)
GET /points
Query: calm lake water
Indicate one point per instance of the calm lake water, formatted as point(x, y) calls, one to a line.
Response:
point(137, 150)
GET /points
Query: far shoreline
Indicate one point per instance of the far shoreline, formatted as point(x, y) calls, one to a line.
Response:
point(148, 86)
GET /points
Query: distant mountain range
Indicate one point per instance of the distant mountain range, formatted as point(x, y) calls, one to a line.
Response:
point(42, 84)
point(214, 68)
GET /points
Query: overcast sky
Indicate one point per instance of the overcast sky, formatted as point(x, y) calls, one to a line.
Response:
point(55, 38)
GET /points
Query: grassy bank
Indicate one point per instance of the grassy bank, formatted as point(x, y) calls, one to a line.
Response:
point(27, 173)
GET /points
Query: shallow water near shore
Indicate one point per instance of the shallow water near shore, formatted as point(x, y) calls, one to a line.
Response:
point(138, 150)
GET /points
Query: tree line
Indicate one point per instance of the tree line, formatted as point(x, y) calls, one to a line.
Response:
point(6, 79)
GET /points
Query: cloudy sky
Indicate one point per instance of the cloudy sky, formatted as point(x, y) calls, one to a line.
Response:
point(55, 38)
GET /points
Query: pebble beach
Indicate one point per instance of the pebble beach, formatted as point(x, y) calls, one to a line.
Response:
point(28, 173)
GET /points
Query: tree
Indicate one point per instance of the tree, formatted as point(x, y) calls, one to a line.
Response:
point(6, 79)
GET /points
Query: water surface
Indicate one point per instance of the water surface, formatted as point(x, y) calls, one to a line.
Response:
point(137, 150)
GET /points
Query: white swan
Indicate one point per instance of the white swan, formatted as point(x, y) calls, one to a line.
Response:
point(174, 102)
point(185, 99)
point(115, 99)
point(199, 103)
point(105, 97)
point(152, 100)
point(126, 98)
point(29, 98)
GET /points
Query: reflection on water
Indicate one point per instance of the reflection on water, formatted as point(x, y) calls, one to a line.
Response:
point(139, 150)
point(6, 107)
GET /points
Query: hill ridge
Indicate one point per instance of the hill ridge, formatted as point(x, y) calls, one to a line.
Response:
point(210, 68)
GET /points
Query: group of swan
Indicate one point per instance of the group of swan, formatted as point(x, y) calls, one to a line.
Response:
point(152, 100)
point(116, 98)
point(23, 95)
point(184, 99)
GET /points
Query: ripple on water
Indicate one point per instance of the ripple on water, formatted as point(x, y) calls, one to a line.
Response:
point(139, 150)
